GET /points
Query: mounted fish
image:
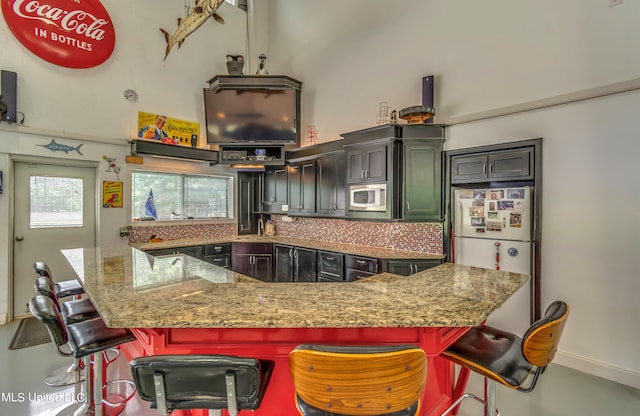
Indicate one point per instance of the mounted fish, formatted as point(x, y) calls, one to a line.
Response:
point(57, 147)
point(194, 19)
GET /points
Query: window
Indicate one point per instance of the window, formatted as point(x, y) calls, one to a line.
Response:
point(55, 202)
point(170, 196)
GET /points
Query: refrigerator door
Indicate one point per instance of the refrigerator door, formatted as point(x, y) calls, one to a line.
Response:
point(500, 213)
point(515, 256)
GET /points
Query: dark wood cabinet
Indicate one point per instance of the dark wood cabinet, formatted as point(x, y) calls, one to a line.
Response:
point(357, 267)
point(367, 164)
point(218, 254)
point(511, 164)
point(421, 180)
point(330, 266)
point(193, 251)
point(294, 264)
point(246, 223)
point(274, 189)
point(252, 259)
point(302, 188)
point(330, 186)
point(409, 267)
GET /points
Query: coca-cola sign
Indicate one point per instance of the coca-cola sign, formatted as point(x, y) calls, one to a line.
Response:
point(70, 33)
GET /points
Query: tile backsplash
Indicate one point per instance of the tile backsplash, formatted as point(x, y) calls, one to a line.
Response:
point(425, 237)
point(175, 232)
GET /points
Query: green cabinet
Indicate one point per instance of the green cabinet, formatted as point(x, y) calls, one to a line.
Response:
point(330, 186)
point(510, 164)
point(421, 180)
point(294, 264)
point(302, 188)
point(409, 267)
point(367, 164)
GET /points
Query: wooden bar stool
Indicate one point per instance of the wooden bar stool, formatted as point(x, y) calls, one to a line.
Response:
point(211, 382)
point(505, 358)
point(358, 380)
point(84, 339)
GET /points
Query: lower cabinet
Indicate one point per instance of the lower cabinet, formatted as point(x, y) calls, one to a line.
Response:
point(409, 267)
point(357, 267)
point(330, 266)
point(218, 254)
point(193, 251)
point(294, 264)
point(252, 259)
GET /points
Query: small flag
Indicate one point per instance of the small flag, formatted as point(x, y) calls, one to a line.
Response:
point(150, 206)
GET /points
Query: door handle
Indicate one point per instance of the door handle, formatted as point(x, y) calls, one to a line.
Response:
point(19, 238)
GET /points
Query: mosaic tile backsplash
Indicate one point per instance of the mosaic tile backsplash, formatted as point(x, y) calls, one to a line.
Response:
point(175, 232)
point(425, 237)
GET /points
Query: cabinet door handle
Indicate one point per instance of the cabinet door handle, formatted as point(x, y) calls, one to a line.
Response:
point(291, 252)
point(490, 168)
point(252, 260)
point(241, 227)
point(366, 174)
point(295, 254)
point(362, 174)
point(408, 206)
point(484, 168)
point(361, 262)
point(330, 258)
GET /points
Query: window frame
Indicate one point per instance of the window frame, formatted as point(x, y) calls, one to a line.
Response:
point(231, 199)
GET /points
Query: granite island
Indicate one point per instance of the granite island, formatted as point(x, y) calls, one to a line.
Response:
point(176, 304)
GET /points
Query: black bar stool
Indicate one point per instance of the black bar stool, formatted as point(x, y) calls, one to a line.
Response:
point(84, 339)
point(64, 288)
point(358, 380)
point(73, 311)
point(211, 382)
point(505, 358)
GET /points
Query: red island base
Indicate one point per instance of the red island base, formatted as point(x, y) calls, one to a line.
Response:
point(275, 344)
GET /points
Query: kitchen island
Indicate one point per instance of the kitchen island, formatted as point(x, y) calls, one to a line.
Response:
point(176, 304)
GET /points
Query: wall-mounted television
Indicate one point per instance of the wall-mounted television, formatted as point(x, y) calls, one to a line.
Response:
point(254, 115)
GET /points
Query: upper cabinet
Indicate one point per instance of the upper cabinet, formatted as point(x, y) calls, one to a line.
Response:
point(302, 188)
point(512, 164)
point(422, 179)
point(274, 189)
point(367, 164)
point(405, 158)
point(330, 185)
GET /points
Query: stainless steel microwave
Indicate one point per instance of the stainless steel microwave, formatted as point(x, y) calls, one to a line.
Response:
point(371, 197)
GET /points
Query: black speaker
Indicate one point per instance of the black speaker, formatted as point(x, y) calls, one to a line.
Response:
point(427, 93)
point(9, 92)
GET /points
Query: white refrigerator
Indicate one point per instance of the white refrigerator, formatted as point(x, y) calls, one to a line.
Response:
point(492, 228)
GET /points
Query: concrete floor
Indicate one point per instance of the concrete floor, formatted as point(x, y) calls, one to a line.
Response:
point(560, 391)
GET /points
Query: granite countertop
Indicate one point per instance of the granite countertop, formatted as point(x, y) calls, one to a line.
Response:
point(132, 289)
point(354, 249)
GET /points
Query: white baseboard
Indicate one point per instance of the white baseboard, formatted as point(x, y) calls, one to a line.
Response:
point(3, 318)
point(598, 368)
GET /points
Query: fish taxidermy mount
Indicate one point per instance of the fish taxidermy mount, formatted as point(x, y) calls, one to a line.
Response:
point(195, 17)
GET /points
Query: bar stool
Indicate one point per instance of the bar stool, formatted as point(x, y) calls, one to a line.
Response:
point(64, 288)
point(211, 382)
point(84, 339)
point(505, 358)
point(358, 380)
point(72, 311)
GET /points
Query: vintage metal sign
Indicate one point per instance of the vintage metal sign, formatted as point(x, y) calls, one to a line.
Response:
point(69, 33)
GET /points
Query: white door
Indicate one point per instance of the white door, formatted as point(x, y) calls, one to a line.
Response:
point(54, 209)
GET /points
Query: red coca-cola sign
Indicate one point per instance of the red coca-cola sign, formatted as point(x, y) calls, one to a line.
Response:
point(70, 33)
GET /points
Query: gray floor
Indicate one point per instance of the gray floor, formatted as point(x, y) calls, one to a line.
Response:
point(561, 391)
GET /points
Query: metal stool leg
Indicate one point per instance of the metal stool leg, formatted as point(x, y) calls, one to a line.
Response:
point(65, 376)
point(86, 409)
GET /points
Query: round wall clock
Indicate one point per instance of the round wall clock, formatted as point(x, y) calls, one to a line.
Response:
point(130, 95)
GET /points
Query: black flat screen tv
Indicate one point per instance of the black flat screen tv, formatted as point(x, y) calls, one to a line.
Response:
point(251, 116)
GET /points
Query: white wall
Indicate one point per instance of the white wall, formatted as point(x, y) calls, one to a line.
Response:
point(87, 106)
point(485, 55)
